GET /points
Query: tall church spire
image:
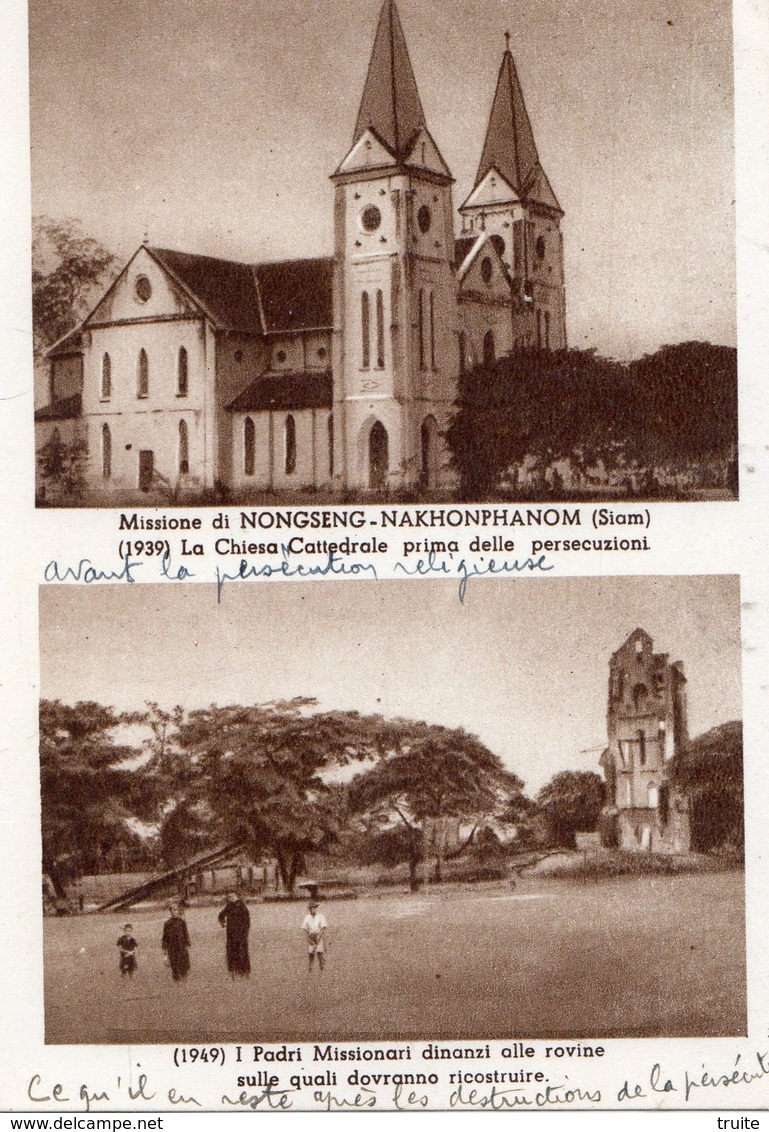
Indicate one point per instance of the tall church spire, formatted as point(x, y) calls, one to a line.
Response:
point(390, 105)
point(509, 145)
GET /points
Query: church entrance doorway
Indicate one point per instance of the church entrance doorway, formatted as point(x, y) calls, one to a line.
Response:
point(146, 469)
point(378, 457)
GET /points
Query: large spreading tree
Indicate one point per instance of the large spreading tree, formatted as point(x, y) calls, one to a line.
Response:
point(671, 411)
point(265, 775)
point(91, 788)
point(425, 776)
point(570, 803)
point(68, 269)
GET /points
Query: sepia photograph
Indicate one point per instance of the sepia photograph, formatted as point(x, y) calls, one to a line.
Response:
point(426, 250)
point(340, 812)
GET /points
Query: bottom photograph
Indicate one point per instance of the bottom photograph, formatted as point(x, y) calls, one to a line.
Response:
point(367, 811)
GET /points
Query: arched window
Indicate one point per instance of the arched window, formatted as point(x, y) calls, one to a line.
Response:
point(365, 330)
point(380, 337)
point(106, 452)
point(289, 437)
point(378, 457)
point(249, 446)
point(143, 378)
point(182, 374)
point(640, 697)
point(489, 349)
point(331, 445)
point(106, 377)
point(432, 330)
point(421, 329)
point(184, 449)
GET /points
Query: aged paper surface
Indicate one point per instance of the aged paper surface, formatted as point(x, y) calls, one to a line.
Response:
point(295, 718)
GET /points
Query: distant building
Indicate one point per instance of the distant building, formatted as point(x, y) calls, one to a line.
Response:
point(337, 373)
point(647, 726)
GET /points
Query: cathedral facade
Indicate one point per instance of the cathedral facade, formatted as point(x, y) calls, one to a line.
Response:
point(337, 373)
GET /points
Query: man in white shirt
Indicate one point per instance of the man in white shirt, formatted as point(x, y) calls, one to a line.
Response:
point(314, 924)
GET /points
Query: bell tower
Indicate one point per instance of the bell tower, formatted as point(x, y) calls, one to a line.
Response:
point(396, 356)
point(513, 201)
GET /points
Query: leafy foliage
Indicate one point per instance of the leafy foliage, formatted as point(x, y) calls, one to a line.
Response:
point(62, 468)
point(260, 771)
point(87, 792)
point(67, 268)
point(668, 412)
point(710, 771)
point(391, 846)
point(571, 803)
point(689, 403)
point(431, 774)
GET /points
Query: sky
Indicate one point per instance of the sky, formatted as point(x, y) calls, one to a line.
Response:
point(212, 127)
point(523, 664)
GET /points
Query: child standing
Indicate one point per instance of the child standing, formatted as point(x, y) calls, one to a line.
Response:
point(127, 945)
point(315, 925)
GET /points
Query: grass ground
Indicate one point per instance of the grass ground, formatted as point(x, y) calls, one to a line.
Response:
point(629, 957)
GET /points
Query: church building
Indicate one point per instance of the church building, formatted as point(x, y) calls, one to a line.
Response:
point(647, 726)
point(338, 373)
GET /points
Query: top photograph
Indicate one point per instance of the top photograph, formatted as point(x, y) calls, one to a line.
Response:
point(288, 251)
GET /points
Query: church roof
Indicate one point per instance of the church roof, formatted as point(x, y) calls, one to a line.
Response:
point(65, 409)
point(302, 390)
point(390, 106)
point(227, 290)
point(510, 147)
point(296, 294)
point(463, 245)
point(261, 298)
point(68, 346)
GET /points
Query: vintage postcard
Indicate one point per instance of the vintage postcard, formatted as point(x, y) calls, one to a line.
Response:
point(385, 541)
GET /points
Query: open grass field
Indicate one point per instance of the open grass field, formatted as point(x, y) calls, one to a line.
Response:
point(631, 957)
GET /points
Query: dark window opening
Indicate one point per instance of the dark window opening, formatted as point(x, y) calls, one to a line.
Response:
point(365, 330)
point(106, 377)
point(432, 330)
point(143, 382)
point(183, 374)
point(106, 452)
point(290, 444)
point(184, 449)
point(380, 334)
point(249, 446)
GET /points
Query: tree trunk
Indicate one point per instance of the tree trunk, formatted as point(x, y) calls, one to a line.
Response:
point(289, 865)
point(414, 881)
point(284, 870)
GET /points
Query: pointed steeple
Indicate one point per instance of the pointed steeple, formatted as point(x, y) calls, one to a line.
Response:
point(390, 105)
point(509, 145)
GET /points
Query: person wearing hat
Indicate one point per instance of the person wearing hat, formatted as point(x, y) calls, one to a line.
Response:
point(314, 925)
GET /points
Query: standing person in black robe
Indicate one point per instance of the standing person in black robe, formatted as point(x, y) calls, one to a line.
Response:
point(234, 916)
point(176, 944)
